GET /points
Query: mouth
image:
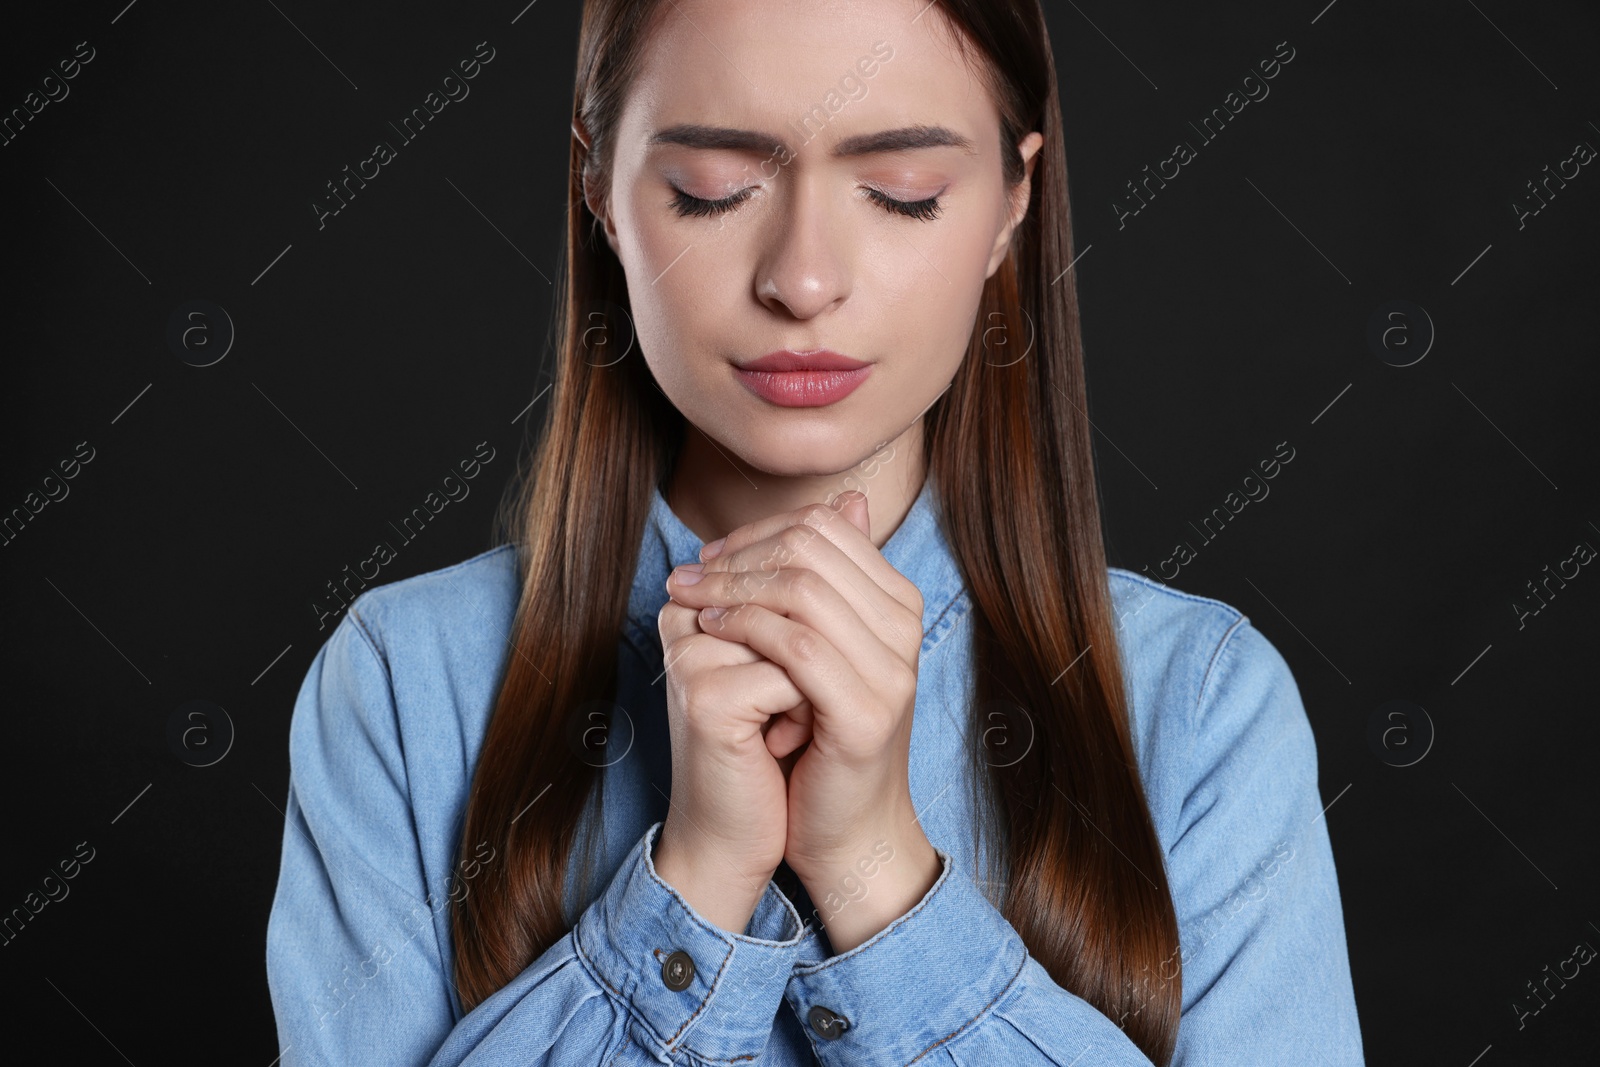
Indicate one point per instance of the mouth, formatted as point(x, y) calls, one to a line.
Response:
point(803, 379)
point(788, 360)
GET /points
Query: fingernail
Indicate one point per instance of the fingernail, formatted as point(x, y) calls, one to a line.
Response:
point(710, 551)
point(688, 574)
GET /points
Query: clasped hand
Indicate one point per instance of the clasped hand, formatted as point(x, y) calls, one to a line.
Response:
point(827, 635)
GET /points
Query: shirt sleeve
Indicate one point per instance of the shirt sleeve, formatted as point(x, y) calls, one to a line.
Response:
point(354, 961)
point(1265, 972)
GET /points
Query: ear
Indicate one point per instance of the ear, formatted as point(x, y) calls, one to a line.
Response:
point(1020, 196)
point(592, 195)
point(597, 207)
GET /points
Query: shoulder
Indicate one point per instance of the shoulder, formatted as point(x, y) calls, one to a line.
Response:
point(1170, 640)
point(1206, 688)
point(441, 639)
point(453, 605)
point(391, 716)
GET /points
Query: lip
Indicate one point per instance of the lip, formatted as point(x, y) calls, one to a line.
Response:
point(803, 379)
point(789, 360)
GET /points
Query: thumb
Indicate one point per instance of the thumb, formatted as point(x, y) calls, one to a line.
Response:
point(853, 506)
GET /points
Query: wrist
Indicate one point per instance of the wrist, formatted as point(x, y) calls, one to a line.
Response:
point(854, 901)
point(727, 899)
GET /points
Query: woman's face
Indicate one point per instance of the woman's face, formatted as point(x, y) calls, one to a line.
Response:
point(808, 250)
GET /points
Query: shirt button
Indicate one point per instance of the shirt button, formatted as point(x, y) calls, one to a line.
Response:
point(829, 1027)
point(677, 970)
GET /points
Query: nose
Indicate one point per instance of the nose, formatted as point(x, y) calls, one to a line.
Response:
point(806, 268)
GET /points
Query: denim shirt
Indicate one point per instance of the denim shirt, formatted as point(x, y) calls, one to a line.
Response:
point(385, 734)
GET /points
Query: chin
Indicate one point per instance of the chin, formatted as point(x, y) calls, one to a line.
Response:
point(820, 450)
point(783, 463)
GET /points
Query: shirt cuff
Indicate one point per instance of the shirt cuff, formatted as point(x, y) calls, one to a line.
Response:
point(918, 983)
point(691, 984)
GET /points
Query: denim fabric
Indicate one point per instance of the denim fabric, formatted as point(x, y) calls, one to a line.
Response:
point(385, 735)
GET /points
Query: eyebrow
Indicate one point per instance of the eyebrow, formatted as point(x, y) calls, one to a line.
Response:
point(692, 135)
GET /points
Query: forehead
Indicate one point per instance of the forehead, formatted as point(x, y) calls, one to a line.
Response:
point(773, 64)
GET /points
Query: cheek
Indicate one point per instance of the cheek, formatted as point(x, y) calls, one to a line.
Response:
point(670, 336)
point(674, 282)
point(930, 286)
point(643, 236)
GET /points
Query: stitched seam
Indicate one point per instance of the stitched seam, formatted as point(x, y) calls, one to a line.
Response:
point(725, 960)
point(806, 972)
point(790, 912)
point(1216, 656)
point(578, 944)
point(712, 992)
point(367, 634)
point(484, 555)
point(373, 646)
point(718, 932)
point(711, 1059)
point(1225, 645)
point(1127, 575)
point(973, 1021)
point(398, 584)
point(959, 597)
point(594, 970)
point(627, 1039)
point(886, 931)
point(381, 589)
point(747, 1058)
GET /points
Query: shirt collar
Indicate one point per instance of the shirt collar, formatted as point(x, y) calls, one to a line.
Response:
point(917, 549)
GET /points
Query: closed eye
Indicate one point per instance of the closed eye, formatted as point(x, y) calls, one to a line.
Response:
point(694, 207)
point(918, 209)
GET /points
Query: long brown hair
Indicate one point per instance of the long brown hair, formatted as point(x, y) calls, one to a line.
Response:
point(1009, 445)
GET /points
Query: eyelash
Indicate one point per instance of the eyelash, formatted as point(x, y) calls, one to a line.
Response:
point(694, 207)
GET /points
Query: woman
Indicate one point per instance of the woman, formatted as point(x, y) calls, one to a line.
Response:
point(937, 785)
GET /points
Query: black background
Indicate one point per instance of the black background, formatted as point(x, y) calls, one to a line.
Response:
point(1229, 315)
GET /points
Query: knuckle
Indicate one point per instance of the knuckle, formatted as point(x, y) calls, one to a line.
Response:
point(767, 568)
point(872, 732)
point(911, 595)
point(693, 713)
point(706, 706)
point(720, 623)
point(674, 622)
point(794, 539)
point(880, 731)
point(912, 626)
point(805, 587)
point(733, 593)
point(817, 516)
point(903, 677)
point(739, 585)
point(693, 688)
point(682, 658)
point(800, 643)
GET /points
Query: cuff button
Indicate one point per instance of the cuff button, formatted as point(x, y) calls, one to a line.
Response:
point(829, 1027)
point(677, 970)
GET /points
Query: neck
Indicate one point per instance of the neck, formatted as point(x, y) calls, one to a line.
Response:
point(715, 492)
